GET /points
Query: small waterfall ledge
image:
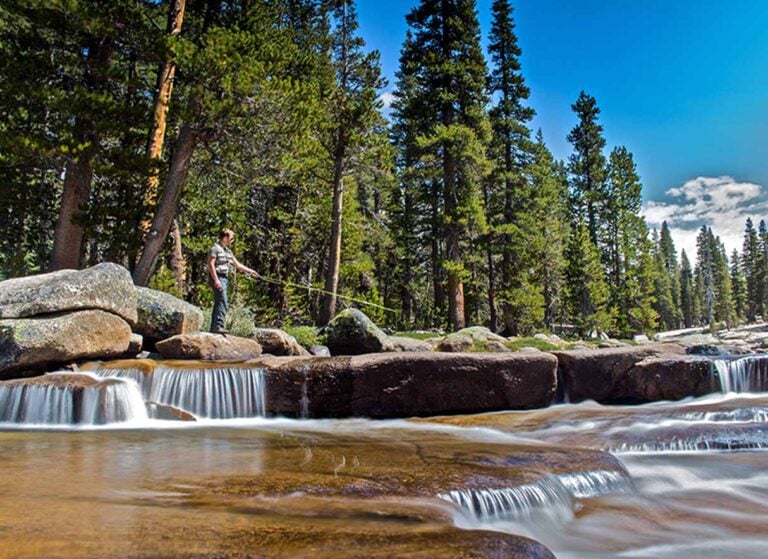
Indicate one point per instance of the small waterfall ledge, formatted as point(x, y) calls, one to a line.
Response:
point(212, 393)
point(743, 374)
point(71, 399)
point(552, 496)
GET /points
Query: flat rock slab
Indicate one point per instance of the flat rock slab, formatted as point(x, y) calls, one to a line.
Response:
point(29, 344)
point(208, 347)
point(638, 374)
point(161, 315)
point(409, 384)
point(106, 287)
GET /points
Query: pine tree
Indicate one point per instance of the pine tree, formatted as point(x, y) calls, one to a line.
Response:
point(505, 192)
point(664, 305)
point(688, 306)
point(752, 262)
point(738, 287)
point(586, 289)
point(354, 108)
point(587, 166)
point(442, 87)
point(672, 270)
point(625, 243)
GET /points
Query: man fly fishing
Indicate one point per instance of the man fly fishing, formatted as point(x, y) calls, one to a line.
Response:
point(221, 260)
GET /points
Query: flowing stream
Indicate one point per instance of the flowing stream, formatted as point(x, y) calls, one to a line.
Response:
point(92, 475)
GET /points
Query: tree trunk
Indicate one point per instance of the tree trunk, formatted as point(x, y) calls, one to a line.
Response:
point(165, 76)
point(68, 237)
point(437, 255)
point(168, 205)
point(178, 263)
point(452, 245)
point(334, 251)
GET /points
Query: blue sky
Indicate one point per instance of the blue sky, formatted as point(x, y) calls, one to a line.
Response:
point(682, 83)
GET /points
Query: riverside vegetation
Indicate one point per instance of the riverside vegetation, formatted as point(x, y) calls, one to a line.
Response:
point(131, 132)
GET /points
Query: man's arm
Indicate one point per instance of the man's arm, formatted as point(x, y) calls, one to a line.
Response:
point(245, 269)
point(212, 272)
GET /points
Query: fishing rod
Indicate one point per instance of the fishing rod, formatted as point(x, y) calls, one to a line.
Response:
point(310, 288)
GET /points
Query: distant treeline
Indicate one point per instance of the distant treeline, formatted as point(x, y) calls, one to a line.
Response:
point(134, 131)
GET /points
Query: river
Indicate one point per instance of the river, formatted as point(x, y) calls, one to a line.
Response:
point(665, 480)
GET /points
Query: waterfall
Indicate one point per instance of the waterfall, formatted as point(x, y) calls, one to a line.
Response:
point(743, 374)
point(519, 503)
point(141, 378)
point(216, 392)
point(583, 485)
point(551, 496)
point(57, 399)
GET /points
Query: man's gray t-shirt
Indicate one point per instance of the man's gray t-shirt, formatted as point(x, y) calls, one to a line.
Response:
point(222, 259)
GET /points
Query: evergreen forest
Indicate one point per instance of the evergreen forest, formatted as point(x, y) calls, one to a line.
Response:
point(133, 131)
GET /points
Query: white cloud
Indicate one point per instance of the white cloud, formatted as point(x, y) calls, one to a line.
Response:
point(721, 203)
point(387, 98)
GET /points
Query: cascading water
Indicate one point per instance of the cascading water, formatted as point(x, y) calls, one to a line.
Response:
point(55, 399)
point(141, 378)
point(743, 374)
point(552, 496)
point(215, 393)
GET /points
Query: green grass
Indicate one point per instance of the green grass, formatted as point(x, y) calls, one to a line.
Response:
point(543, 345)
point(420, 335)
point(307, 336)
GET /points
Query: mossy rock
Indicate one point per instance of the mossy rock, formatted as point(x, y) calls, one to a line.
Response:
point(351, 332)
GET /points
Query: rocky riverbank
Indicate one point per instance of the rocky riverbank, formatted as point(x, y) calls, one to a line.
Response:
point(60, 320)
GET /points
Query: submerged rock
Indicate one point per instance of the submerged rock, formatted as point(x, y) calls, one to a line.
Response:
point(36, 343)
point(278, 342)
point(161, 315)
point(106, 287)
point(206, 347)
point(351, 332)
point(167, 412)
point(409, 384)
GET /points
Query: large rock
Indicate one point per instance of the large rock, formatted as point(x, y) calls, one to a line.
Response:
point(668, 378)
point(455, 343)
point(403, 343)
point(351, 332)
point(409, 384)
point(207, 347)
point(106, 287)
point(278, 342)
point(161, 315)
point(35, 343)
point(467, 338)
point(631, 374)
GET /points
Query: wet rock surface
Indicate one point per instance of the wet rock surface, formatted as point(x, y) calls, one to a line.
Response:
point(161, 315)
point(409, 384)
point(206, 346)
point(106, 287)
point(274, 493)
point(33, 344)
point(606, 375)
